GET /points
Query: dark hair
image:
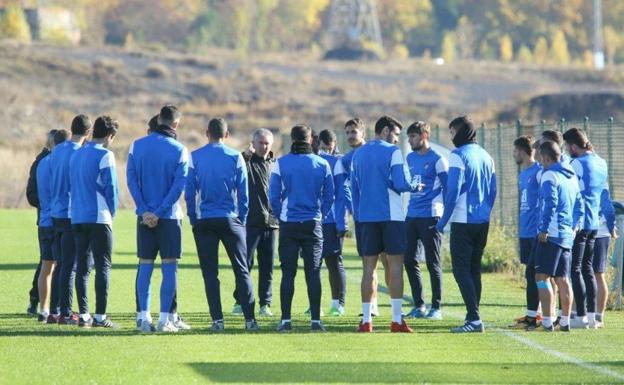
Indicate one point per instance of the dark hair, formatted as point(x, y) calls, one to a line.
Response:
point(51, 134)
point(357, 122)
point(300, 133)
point(152, 124)
point(217, 128)
point(553, 136)
point(104, 126)
point(81, 125)
point(577, 136)
point(418, 128)
point(551, 150)
point(462, 122)
point(387, 121)
point(60, 136)
point(169, 115)
point(525, 143)
point(327, 137)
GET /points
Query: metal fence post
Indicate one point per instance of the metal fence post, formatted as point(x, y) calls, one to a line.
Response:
point(501, 177)
point(610, 150)
point(586, 125)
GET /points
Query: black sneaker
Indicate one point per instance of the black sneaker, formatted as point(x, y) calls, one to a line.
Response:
point(85, 324)
point(469, 328)
point(545, 329)
point(105, 323)
point(31, 310)
point(317, 327)
point(531, 324)
point(284, 327)
point(562, 328)
point(252, 326)
point(217, 326)
point(557, 321)
point(41, 318)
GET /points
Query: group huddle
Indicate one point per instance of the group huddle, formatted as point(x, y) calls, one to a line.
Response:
point(251, 201)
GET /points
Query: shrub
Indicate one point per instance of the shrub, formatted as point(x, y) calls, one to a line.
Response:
point(157, 71)
point(13, 25)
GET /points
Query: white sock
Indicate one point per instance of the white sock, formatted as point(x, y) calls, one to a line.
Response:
point(584, 319)
point(285, 321)
point(164, 317)
point(547, 321)
point(591, 317)
point(85, 317)
point(146, 316)
point(335, 303)
point(138, 317)
point(366, 312)
point(100, 317)
point(565, 320)
point(531, 313)
point(397, 311)
point(45, 312)
point(173, 317)
point(316, 321)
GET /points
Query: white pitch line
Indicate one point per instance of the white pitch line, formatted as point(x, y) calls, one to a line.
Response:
point(530, 343)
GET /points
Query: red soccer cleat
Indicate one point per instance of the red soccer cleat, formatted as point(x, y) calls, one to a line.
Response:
point(402, 327)
point(71, 320)
point(365, 327)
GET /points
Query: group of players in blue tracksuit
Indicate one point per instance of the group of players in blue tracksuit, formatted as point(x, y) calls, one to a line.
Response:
point(566, 223)
point(241, 200)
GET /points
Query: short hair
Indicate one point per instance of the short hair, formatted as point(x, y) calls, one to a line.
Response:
point(300, 133)
point(51, 134)
point(169, 115)
point(60, 136)
point(261, 132)
point(418, 128)
point(462, 122)
point(577, 136)
point(327, 136)
point(357, 123)
point(81, 125)
point(153, 123)
point(104, 126)
point(217, 128)
point(551, 150)
point(525, 143)
point(553, 136)
point(387, 121)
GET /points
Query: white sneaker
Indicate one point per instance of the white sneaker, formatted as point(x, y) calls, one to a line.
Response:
point(579, 323)
point(598, 325)
point(146, 327)
point(180, 324)
point(166, 327)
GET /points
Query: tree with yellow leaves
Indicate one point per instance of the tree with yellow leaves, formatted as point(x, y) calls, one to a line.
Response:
point(505, 46)
point(540, 53)
point(559, 49)
point(448, 47)
point(13, 25)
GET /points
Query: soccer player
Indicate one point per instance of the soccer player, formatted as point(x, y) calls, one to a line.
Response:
point(355, 130)
point(334, 228)
point(32, 197)
point(64, 236)
point(47, 276)
point(606, 232)
point(377, 181)
point(557, 137)
point(429, 171)
point(468, 202)
point(217, 200)
point(592, 173)
point(261, 223)
point(178, 322)
point(561, 212)
point(156, 174)
point(528, 186)
point(301, 193)
point(94, 194)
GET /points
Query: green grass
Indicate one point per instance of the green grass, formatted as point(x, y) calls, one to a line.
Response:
point(33, 353)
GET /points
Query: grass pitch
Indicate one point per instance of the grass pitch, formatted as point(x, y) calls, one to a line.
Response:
point(50, 354)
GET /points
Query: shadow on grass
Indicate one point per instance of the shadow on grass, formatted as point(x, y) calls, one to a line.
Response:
point(391, 372)
point(194, 265)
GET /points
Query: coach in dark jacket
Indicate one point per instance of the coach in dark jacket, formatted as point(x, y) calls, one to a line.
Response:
point(261, 224)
